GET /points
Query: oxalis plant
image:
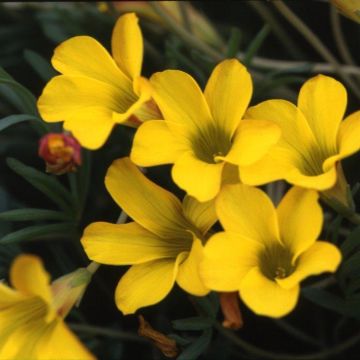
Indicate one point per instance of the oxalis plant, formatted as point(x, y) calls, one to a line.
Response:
point(179, 180)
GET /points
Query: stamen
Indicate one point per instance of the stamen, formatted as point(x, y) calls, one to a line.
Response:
point(280, 272)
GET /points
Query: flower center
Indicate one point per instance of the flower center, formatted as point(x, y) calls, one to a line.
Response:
point(275, 262)
point(211, 142)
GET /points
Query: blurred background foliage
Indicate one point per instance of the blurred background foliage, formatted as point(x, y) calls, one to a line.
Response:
point(283, 45)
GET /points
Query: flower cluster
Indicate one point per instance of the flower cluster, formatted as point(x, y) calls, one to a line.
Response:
point(220, 149)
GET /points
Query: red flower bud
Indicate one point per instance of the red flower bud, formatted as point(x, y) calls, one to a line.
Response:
point(61, 152)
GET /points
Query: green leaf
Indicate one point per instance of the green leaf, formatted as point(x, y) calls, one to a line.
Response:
point(15, 119)
point(193, 323)
point(233, 43)
point(28, 100)
point(325, 299)
point(256, 44)
point(351, 243)
point(206, 305)
point(31, 214)
point(47, 184)
point(39, 232)
point(194, 350)
point(41, 66)
point(179, 339)
point(351, 266)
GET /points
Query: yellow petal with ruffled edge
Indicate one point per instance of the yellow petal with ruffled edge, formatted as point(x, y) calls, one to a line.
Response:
point(127, 244)
point(228, 257)
point(201, 214)
point(249, 212)
point(266, 297)
point(252, 141)
point(181, 102)
point(154, 144)
point(319, 258)
point(127, 45)
point(198, 178)
point(323, 100)
point(228, 93)
point(188, 277)
point(28, 276)
point(151, 206)
point(300, 220)
point(146, 284)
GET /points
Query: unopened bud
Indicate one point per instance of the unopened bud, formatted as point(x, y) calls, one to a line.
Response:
point(69, 289)
point(229, 303)
point(61, 152)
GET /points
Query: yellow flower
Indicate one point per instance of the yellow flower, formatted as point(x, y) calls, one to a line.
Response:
point(203, 132)
point(265, 252)
point(96, 91)
point(163, 244)
point(314, 139)
point(30, 326)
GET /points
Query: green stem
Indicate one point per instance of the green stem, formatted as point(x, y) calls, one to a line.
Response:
point(93, 267)
point(97, 330)
point(339, 37)
point(264, 354)
point(315, 42)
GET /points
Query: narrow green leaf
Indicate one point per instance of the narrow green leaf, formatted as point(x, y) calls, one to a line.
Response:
point(179, 339)
point(194, 350)
point(27, 98)
point(351, 243)
point(47, 184)
point(15, 119)
point(39, 232)
point(31, 214)
point(233, 43)
point(193, 323)
point(256, 44)
point(206, 306)
point(41, 66)
point(325, 299)
point(351, 266)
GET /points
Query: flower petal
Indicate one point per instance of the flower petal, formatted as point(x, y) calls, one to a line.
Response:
point(84, 56)
point(127, 45)
point(181, 102)
point(198, 178)
point(275, 165)
point(320, 257)
point(28, 276)
point(188, 276)
point(296, 134)
point(154, 144)
point(146, 284)
point(247, 211)
point(300, 219)
point(127, 244)
point(252, 141)
point(151, 206)
point(266, 297)
point(62, 343)
point(228, 257)
point(323, 181)
point(349, 135)
point(323, 100)
point(201, 214)
point(228, 93)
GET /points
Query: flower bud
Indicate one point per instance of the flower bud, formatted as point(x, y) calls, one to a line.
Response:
point(61, 152)
point(229, 303)
point(69, 289)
